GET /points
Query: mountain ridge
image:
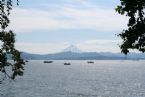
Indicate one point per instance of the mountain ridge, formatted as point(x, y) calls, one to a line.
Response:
point(73, 53)
point(83, 56)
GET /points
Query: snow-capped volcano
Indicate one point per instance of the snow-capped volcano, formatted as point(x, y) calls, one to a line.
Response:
point(73, 49)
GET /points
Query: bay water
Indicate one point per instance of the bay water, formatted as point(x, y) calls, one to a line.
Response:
point(104, 78)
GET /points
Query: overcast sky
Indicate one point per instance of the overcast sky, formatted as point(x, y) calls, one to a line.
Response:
point(49, 26)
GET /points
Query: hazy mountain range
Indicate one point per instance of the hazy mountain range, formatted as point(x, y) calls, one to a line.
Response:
point(73, 53)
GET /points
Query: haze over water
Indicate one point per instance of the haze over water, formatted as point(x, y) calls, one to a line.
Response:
point(102, 79)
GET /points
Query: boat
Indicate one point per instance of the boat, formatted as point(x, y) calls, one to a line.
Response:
point(67, 63)
point(26, 61)
point(48, 62)
point(90, 62)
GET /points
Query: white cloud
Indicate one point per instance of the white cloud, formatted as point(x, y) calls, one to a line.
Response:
point(41, 48)
point(28, 20)
point(100, 46)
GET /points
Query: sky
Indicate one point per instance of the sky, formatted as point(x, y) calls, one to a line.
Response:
point(49, 26)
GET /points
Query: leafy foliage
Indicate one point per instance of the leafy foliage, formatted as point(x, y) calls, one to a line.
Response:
point(134, 36)
point(7, 40)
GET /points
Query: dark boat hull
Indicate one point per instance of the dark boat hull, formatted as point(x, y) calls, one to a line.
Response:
point(48, 61)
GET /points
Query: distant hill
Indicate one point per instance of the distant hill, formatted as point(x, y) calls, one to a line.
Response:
point(83, 56)
point(73, 53)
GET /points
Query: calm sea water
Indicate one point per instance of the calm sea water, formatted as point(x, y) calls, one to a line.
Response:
point(80, 79)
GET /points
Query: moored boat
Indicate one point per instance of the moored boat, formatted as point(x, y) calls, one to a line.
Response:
point(90, 62)
point(67, 63)
point(48, 61)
